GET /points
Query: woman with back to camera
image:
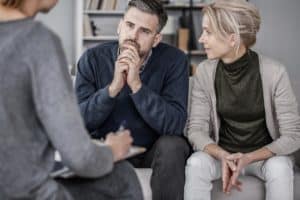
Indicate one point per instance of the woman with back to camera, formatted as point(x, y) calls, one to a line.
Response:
point(39, 113)
point(244, 116)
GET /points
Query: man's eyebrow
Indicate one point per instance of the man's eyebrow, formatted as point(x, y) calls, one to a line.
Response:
point(127, 21)
point(146, 29)
point(143, 28)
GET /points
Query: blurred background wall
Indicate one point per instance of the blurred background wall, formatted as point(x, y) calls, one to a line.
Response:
point(279, 36)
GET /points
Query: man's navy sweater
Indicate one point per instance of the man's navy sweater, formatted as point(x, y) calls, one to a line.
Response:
point(158, 108)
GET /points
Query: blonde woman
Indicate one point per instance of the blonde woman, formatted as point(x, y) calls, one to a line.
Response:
point(244, 117)
point(39, 113)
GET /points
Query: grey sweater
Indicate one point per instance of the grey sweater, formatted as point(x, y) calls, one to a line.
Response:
point(39, 113)
point(282, 117)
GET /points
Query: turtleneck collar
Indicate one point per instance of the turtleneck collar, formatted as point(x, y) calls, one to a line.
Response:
point(238, 69)
point(237, 65)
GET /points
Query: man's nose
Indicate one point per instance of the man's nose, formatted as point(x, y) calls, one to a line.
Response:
point(133, 34)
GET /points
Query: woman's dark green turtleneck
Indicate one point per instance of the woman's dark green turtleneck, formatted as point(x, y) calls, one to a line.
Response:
point(240, 105)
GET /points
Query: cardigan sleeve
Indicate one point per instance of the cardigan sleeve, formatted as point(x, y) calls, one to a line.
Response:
point(287, 116)
point(199, 120)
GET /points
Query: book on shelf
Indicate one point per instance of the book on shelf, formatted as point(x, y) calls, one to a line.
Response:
point(87, 26)
point(92, 4)
point(108, 5)
point(183, 38)
point(87, 4)
point(185, 2)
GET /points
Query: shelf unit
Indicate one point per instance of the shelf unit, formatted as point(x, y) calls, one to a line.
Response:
point(100, 38)
point(197, 52)
point(102, 12)
point(177, 6)
point(83, 42)
point(188, 12)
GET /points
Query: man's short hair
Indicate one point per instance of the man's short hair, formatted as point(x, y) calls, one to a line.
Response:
point(154, 7)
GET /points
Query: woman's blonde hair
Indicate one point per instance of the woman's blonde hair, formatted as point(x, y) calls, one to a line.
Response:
point(11, 3)
point(234, 17)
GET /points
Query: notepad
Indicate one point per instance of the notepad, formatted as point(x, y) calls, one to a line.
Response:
point(62, 171)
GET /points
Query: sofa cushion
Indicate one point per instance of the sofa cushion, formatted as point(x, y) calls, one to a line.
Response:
point(144, 175)
point(253, 188)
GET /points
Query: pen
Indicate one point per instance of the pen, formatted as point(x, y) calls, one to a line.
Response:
point(122, 126)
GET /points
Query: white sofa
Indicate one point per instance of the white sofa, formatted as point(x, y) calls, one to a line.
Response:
point(253, 188)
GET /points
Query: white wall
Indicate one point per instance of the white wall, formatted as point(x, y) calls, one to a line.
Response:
point(61, 20)
point(279, 36)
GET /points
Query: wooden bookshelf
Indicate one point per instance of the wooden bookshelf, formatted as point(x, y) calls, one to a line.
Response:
point(100, 38)
point(179, 6)
point(103, 12)
point(196, 53)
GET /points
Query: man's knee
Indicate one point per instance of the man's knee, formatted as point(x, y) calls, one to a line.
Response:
point(169, 146)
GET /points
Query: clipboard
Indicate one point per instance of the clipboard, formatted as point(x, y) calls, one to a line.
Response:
point(61, 171)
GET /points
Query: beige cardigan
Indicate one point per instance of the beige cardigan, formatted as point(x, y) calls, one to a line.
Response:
point(281, 109)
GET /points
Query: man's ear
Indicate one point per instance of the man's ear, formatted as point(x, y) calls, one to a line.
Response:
point(157, 39)
point(119, 26)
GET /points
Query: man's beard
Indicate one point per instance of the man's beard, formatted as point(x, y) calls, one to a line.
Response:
point(134, 44)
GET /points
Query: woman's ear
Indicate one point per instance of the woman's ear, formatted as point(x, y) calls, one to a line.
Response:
point(233, 40)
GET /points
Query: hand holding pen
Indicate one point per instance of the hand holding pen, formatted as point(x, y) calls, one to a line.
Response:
point(119, 143)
